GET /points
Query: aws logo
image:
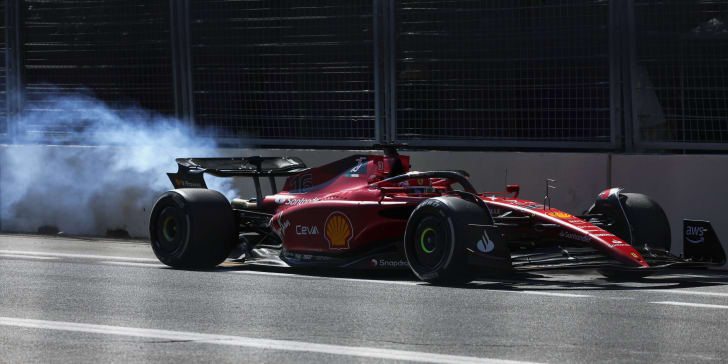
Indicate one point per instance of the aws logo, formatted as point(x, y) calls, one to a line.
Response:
point(695, 234)
point(338, 230)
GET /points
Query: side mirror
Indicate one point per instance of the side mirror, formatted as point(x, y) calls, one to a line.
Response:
point(515, 189)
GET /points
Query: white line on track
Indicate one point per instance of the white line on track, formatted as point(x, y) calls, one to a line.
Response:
point(117, 260)
point(556, 294)
point(401, 283)
point(266, 273)
point(21, 256)
point(129, 264)
point(77, 256)
point(703, 276)
point(270, 344)
point(689, 304)
point(686, 292)
point(404, 283)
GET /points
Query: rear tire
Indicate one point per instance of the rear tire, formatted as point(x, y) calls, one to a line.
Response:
point(434, 239)
point(192, 228)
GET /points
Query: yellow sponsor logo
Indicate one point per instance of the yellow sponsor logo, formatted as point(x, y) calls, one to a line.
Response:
point(634, 255)
point(560, 215)
point(338, 230)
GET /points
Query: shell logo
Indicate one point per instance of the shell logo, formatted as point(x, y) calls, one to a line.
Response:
point(560, 215)
point(338, 230)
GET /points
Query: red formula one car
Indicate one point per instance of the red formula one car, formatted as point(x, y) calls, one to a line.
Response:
point(372, 212)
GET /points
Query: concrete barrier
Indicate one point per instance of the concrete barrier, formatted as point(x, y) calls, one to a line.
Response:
point(687, 186)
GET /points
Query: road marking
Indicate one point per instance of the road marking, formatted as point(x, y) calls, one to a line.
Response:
point(552, 294)
point(689, 304)
point(21, 256)
point(128, 264)
point(697, 293)
point(276, 274)
point(401, 283)
point(80, 256)
point(704, 276)
point(114, 260)
point(270, 344)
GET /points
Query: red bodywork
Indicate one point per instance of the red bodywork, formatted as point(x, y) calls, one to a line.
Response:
point(337, 209)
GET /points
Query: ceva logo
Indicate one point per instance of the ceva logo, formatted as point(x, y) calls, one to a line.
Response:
point(306, 230)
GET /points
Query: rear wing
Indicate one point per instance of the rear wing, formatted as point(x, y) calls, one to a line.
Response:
point(191, 170)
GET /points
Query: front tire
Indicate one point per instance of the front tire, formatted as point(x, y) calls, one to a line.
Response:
point(649, 222)
point(649, 228)
point(192, 228)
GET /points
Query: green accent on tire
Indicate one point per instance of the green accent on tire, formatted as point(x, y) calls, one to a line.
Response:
point(166, 227)
point(422, 241)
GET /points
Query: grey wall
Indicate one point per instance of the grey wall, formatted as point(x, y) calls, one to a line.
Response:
point(687, 186)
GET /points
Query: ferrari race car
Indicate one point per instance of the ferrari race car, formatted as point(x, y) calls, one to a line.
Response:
point(372, 212)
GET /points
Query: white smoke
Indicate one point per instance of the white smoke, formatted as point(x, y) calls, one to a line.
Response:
point(109, 180)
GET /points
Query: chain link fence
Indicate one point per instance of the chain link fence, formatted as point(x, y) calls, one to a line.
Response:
point(3, 76)
point(284, 69)
point(503, 70)
point(680, 80)
point(549, 74)
point(116, 50)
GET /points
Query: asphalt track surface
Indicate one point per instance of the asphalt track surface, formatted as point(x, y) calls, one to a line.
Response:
point(76, 300)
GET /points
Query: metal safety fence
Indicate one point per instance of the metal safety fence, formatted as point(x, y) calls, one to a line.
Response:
point(680, 76)
point(552, 74)
point(532, 72)
point(116, 50)
point(3, 76)
point(283, 70)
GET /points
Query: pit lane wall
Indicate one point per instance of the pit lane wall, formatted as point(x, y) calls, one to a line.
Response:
point(687, 186)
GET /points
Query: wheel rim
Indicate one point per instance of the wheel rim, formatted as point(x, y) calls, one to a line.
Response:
point(169, 230)
point(432, 239)
point(426, 240)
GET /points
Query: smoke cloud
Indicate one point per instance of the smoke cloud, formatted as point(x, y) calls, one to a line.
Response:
point(108, 180)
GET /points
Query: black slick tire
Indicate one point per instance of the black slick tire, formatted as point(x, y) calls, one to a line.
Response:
point(192, 228)
point(434, 239)
point(649, 223)
point(650, 228)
